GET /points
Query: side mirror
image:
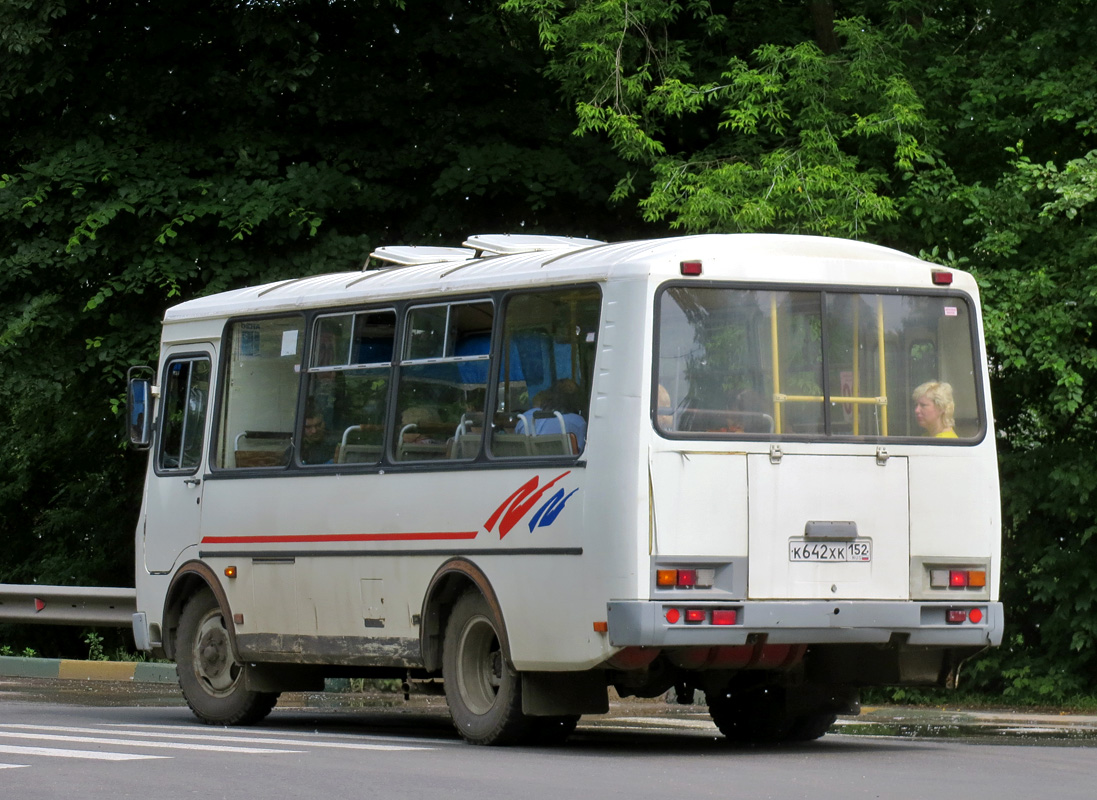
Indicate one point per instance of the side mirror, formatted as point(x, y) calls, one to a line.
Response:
point(139, 410)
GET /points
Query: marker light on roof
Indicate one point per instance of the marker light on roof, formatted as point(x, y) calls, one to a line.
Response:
point(941, 277)
point(690, 267)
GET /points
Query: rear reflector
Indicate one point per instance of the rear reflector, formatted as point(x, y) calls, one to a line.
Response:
point(975, 615)
point(673, 616)
point(724, 616)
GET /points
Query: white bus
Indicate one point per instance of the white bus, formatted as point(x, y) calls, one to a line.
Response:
point(538, 468)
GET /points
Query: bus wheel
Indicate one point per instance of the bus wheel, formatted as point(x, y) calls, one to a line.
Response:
point(550, 731)
point(756, 716)
point(483, 691)
point(761, 716)
point(211, 680)
point(811, 726)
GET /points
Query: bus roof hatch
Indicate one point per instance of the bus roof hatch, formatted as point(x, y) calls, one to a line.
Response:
point(409, 255)
point(510, 243)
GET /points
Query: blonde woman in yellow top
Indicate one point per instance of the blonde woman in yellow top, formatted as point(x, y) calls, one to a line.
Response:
point(934, 409)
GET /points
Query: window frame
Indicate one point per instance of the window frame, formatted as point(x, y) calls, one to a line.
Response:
point(313, 320)
point(402, 307)
point(161, 421)
point(223, 358)
point(827, 437)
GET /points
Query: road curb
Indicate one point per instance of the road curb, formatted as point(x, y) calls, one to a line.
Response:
point(63, 668)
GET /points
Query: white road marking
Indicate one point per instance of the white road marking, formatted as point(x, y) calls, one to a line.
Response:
point(356, 738)
point(13, 766)
point(220, 737)
point(55, 752)
point(657, 722)
point(215, 748)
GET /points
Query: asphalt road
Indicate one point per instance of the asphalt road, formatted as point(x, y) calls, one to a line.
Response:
point(90, 739)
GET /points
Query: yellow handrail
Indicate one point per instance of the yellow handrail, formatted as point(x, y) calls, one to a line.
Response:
point(856, 363)
point(776, 363)
point(880, 400)
point(883, 364)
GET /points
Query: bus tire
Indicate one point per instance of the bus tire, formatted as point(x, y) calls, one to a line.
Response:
point(483, 691)
point(756, 716)
point(809, 727)
point(211, 679)
point(550, 731)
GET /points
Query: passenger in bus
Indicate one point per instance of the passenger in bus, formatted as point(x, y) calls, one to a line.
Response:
point(934, 409)
point(317, 447)
point(664, 414)
point(564, 397)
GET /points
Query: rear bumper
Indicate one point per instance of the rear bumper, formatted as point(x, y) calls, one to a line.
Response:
point(644, 623)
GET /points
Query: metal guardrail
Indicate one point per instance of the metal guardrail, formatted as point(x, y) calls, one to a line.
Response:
point(107, 607)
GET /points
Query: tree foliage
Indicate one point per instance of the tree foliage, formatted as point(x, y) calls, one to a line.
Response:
point(152, 152)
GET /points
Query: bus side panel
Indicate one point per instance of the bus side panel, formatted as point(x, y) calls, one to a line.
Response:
point(349, 557)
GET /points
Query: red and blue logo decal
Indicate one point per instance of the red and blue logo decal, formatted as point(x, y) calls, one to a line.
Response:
point(511, 511)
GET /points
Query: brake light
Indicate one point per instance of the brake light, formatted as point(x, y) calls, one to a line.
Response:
point(958, 616)
point(957, 578)
point(685, 578)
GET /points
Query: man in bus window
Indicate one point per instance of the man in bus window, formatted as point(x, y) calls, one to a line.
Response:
point(317, 447)
point(564, 398)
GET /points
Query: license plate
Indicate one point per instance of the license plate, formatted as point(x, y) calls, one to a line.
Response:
point(859, 550)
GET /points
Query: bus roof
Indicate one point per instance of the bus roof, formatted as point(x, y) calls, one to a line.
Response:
point(776, 258)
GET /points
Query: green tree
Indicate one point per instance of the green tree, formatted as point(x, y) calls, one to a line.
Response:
point(152, 152)
point(771, 117)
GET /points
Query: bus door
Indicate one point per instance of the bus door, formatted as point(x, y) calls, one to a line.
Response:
point(173, 508)
point(828, 526)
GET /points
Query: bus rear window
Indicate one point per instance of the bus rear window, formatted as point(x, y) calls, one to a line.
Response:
point(810, 363)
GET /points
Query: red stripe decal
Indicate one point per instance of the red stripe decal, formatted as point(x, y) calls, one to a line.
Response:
point(342, 537)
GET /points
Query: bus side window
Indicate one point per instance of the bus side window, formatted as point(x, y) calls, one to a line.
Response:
point(259, 393)
point(543, 398)
point(185, 392)
point(349, 372)
point(443, 381)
